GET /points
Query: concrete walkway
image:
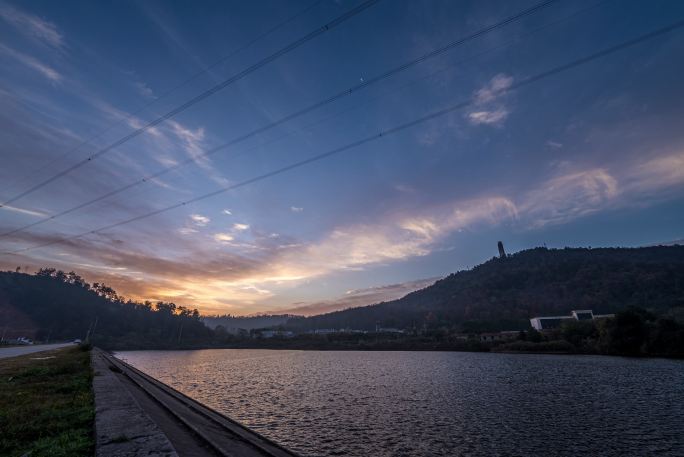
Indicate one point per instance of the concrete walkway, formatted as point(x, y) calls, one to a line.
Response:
point(122, 428)
point(193, 429)
point(23, 350)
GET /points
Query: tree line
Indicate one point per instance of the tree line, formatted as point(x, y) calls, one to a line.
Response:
point(57, 305)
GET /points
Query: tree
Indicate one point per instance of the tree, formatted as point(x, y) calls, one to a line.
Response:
point(578, 333)
point(626, 333)
point(534, 336)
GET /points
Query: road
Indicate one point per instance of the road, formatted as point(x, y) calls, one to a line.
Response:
point(23, 350)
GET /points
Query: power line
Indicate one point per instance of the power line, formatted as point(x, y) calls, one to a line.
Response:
point(166, 93)
point(525, 82)
point(344, 93)
point(208, 93)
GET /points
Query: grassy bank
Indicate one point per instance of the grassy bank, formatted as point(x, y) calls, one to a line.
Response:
point(46, 404)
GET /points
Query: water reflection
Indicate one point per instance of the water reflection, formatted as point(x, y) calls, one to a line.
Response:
point(437, 403)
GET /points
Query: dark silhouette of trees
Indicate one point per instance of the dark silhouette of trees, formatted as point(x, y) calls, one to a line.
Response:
point(64, 306)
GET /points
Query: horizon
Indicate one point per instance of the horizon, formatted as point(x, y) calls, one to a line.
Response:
point(591, 156)
point(397, 291)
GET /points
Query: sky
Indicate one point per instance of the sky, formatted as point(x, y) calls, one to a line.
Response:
point(592, 155)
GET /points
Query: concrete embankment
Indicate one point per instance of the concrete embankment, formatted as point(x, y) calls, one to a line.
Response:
point(122, 427)
point(138, 415)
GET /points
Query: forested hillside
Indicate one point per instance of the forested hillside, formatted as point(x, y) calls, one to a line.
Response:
point(55, 305)
point(500, 294)
point(503, 293)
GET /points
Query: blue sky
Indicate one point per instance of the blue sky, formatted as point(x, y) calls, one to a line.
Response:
point(592, 156)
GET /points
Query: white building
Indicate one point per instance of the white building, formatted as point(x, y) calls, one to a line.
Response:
point(549, 322)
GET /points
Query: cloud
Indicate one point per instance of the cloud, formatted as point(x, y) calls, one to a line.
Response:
point(489, 109)
point(396, 238)
point(244, 278)
point(554, 144)
point(358, 297)
point(578, 193)
point(199, 220)
point(569, 196)
point(656, 173)
point(33, 26)
point(235, 279)
point(494, 89)
point(33, 63)
point(223, 237)
point(193, 145)
point(227, 212)
point(23, 211)
point(495, 117)
point(296, 209)
point(130, 119)
point(201, 277)
point(144, 90)
point(187, 230)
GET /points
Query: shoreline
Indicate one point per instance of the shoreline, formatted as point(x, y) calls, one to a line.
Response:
point(347, 349)
point(188, 426)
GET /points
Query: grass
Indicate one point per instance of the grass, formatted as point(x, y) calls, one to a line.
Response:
point(46, 406)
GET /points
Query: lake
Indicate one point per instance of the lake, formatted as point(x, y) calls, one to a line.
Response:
point(326, 403)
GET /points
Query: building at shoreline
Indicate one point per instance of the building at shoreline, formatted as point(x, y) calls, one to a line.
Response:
point(551, 322)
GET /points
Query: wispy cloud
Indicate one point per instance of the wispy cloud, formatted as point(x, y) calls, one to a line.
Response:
point(495, 117)
point(656, 173)
point(569, 196)
point(489, 108)
point(33, 63)
point(578, 193)
point(494, 89)
point(23, 211)
point(249, 280)
point(193, 141)
point(39, 29)
point(296, 209)
point(358, 297)
point(144, 90)
point(397, 237)
point(187, 230)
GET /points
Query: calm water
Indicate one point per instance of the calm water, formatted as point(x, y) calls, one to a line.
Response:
point(437, 403)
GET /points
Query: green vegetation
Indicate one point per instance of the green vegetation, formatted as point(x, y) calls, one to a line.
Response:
point(46, 404)
point(633, 332)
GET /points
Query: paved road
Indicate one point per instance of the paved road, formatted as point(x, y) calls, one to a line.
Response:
point(23, 350)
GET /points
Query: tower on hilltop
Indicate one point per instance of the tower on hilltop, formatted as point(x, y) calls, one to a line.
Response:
point(502, 253)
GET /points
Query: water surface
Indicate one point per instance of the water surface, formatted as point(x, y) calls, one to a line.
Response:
point(325, 403)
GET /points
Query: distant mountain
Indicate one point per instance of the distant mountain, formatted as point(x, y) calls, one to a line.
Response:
point(234, 323)
point(670, 243)
point(503, 293)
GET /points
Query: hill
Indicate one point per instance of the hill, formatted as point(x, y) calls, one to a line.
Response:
point(53, 305)
point(503, 293)
point(644, 286)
